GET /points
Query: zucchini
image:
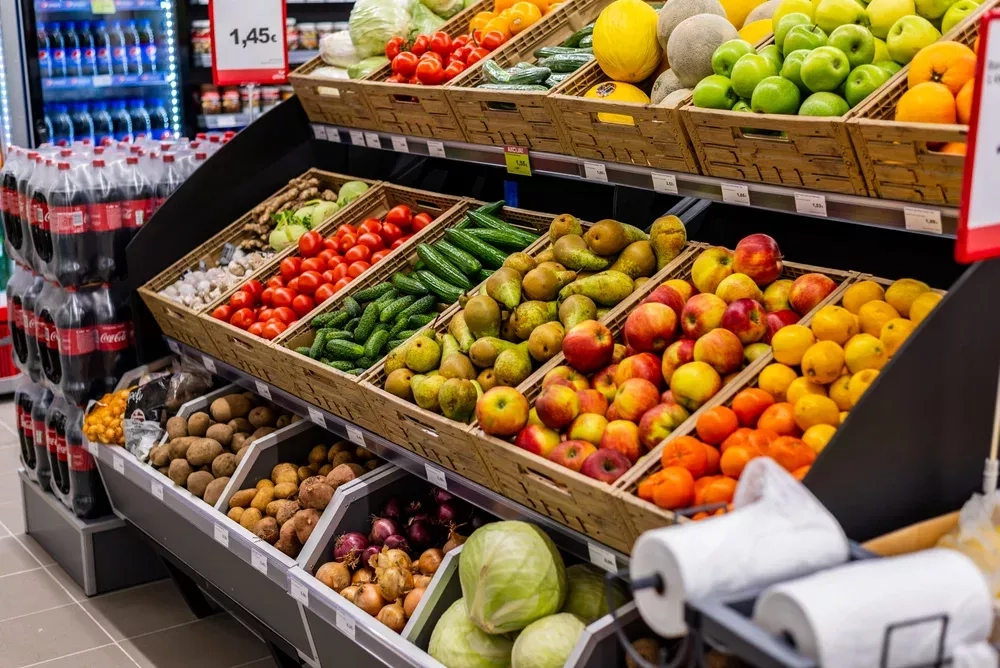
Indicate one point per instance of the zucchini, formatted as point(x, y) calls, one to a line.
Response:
point(395, 307)
point(442, 267)
point(488, 255)
point(447, 292)
point(524, 88)
point(373, 292)
point(492, 207)
point(419, 307)
point(528, 76)
point(501, 238)
point(340, 365)
point(574, 39)
point(494, 73)
point(486, 221)
point(417, 321)
point(546, 51)
point(339, 349)
point(566, 62)
point(458, 257)
point(587, 42)
point(408, 285)
point(368, 321)
point(352, 307)
point(303, 350)
point(375, 344)
point(319, 344)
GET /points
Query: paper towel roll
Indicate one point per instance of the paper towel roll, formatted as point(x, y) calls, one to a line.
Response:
point(778, 532)
point(840, 617)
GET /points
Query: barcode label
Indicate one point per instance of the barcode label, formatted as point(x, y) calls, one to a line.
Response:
point(595, 171)
point(357, 137)
point(436, 149)
point(221, 536)
point(399, 145)
point(316, 417)
point(263, 390)
point(735, 193)
point(436, 476)
point(602, 558)
point(810, 204)
point(664, 183)
point(258, 561)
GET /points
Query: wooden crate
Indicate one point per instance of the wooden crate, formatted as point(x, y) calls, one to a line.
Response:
point(181, 322)
point(518, 118)
point(332, 101)
point(255, 355)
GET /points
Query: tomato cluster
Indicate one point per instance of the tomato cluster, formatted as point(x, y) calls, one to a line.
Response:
point(435, 59)
point(318, 272)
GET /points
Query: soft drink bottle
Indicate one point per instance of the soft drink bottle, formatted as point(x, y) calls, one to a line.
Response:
point(170, 178)
point(121, 122)
point(140, 120)
point(24, 402)
point(159, 122)
point(86, 491)
point(74, 55)
point(57, 50)
point(133, 49)
point(44, 127)
point(83, 124)
point(115, 337)
point(138, 200)
point(104, 131)
point(88, 49)
point(62, 126)
point(70, 227)
point(44, 54)
point(147, 42)
point(47, 305)
point(29, 322)
point(102, 48)
point(55, 438)
point(10, 212)
point(104, 213)
point(38, 205)
point(18, 284)
point(119, 50)
point(38, 413)
point(77, 334)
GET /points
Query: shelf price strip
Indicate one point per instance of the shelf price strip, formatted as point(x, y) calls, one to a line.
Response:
point(248, 42)
point(810, 204)
point(735, 193)
point(664, 183)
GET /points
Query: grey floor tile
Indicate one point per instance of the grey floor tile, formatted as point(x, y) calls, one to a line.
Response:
point(109, 656)
point(63, 578)
point(8, 419)
point(12, 517)
point(10, 487)
point(30, 592)
point(48, 635)
point(10, 458)
point(140, 610)
point(14, 558)
point(36, 550)
point(221, 641)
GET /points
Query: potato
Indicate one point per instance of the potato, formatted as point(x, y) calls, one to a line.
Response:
point(371, 464)
point(239, 441)
point(165, 470)
point(342, 458)
point(222, 433)
point(265, 495)
point(304, 472)
point(267, 530)
point(179, 446)
point(264, 482)
point(287, 511)
point(324, 470)
point(315, 493)
point(250, 518)
point(224, 465)
point(343, 474)
point(273, 507)
point(177, 427)
point(287, 540)
point(160, 455)
point(179, 471)
point(241, 454)
point(203, 451)
point(284, 472)
point(261, 433)
point(361, 453)
point(283, 421)
point(242, 498)
point(304, 522)
point(198, 424)
point(198, 482)
point(251, 397)
point(207, 468)
point(318, 454)
point(215, 489)
point(262, 416)
point(284, 490)
point(338, 447)
point(241, 424)
point(228, 407)
point(235, 514)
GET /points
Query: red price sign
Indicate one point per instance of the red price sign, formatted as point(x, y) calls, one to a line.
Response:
point(248, 42)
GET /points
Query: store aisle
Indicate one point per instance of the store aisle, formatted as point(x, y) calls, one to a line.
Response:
point(46, 620)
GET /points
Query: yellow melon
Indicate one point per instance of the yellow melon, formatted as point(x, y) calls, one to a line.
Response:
point(616, 91)
point(625, 43)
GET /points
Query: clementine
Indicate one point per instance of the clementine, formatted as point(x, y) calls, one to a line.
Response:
point(791, 453)
point(713, 459)
point(734, 459)
point(738, 437)
point(800, 473)
point(927, 102)
point(701, 483)
point(953, 148)
point(761, 439)
point(697, 517)
point(748, 404)
point(675, 489)
point(720, 490)
point(779, 418)
point(947, 62)
point(963, 102)
point(686, 452)
point(715, 424)
point(648, 484)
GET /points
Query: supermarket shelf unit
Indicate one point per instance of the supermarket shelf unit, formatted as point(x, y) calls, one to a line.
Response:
point(296, 57)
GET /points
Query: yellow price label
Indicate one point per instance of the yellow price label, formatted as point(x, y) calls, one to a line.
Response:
point(518, 161)
point(102, 6)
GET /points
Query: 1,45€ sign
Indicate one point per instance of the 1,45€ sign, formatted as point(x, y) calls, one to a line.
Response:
point(248, 41)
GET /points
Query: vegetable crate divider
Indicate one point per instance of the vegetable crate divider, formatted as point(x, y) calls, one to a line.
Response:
point(431, 435)
point(518, 118)
point(331, 101)
point(644, 515)
point(181, 322)
point(256, 355)
point(320, 384)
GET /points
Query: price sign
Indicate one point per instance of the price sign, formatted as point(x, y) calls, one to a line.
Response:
point(102, 6)
point(316, 417)
point(735, 193)
point(258, 561)
point(345, 624)
point(810, 204)
point(602, 558)
point(92, 448)
point(436, 476)
point(248, 41)
point(119, 464)
point(518, 161)
point(319, 131)
point(435, 149)
point(226, 121)
point(399, 144)
point(595, 171)
point(300, 593)
point(922, 220)
point(355, 435)
point(221, 535)
point(371, 138)
point(664, 183)
point(263, 390)
point(156, 489)
point(357, 137)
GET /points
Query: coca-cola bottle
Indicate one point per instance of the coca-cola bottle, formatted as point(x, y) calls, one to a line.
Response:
point(77, 342)
point(10, 209)
point(115, 337)
point(41, 235)
point(24, 401)
point(86, 491)
point(138, 203)
point(104, 213)
point(29, 319)
point(18, 284)
point(25, 179)
point(38, 413)
point(69, 210)
point(55, 438)
point(49, 301)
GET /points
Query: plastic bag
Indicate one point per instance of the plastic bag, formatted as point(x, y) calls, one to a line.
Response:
point(375, 22)
point(188, 382)
point(977, 537)
point(337, 49)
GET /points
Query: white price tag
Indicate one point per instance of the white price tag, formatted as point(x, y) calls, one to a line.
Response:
point(371, 138)
point(345, 624)
point(595, 171)
point(208, 363)
point(316, 417)
point(102, 81)
point(248, 39)
point(922, 220)
point(119, 464)
point(355, 435)
point(357, 137)
point(736, 193)
point(602, 558)
point(319, 131)
point(156, 489)
point(174, 348)
point(221, 536)
point(436, 476)
point(399, 145)
point(300, 593)
point(263, 390)
point(664, 183)
point(333, 134)
point(225, 121)
point(258, 561)
point(436, 149)
point(811, 204)
point(92, 448)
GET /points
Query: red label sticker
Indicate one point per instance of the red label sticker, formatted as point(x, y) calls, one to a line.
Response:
point(113, 337)
point(136, 212)
point(51, 439)
point(61, 452)
point(68, 219)
point(79, 341)
point(104, 217)
point(79, 459)
point(52, 336)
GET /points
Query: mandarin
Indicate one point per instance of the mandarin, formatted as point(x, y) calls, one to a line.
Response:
point(715, 424)
point(675, 488)
point(686, 452)
point(748, 405)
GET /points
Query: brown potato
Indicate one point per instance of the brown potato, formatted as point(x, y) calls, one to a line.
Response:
point(165, 470)
point(179, 446)
point(198, 424)
point(160, 455)
point(338, 447)
point(273, 507)
point(224, 465)
point(177, 427)
point(304, 523)
point(241, 453)
point(264, 482)
point(265, 495)
point(343, 474)
point(284, 490)
point(362, 454)
point(250, 518)
point(215, 489)
point(342, 458)
point(261, 433)
point(242, 498)
point(262, 416)
point(203, 451)
point(283, 421)
point(315, 493)
point(324, 470)
point(318, 454)
point(287, 540)
point(235, 514)
point(228, 407)
point(179, 471)
point(267, 530)
point(241, 424)
point(284, 472)
point(222, 433)
point(287, 511)
point(371, 464)
point(198, 482)
point(304, 472)
point(239, 441)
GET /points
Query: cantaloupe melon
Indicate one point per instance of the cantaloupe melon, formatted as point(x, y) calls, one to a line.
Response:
point(674, 100)
point(616, 91)
point(761, 12)
point(692, 44)
point(625, 44)
point(675, 11)
point(664, 85)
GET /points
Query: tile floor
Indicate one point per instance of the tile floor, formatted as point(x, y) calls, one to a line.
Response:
point(47, 621)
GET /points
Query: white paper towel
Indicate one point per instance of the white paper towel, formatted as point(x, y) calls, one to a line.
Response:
point(778, 531)
point(839, 617)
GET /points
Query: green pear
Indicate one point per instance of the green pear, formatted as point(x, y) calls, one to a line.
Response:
point(504, 285)
point(425, 391)
point(607, 288)
point(668, 236)
point(449, 346)
point(575, 309)
point(529, 315)
point(481, 317)
point(485, 351)
point(513, 366)
point(423, 354)
point(572, 252)
point(457, 399)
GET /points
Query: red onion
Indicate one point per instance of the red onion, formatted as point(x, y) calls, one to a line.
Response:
point(349, 546)
point(382, 528)
point(412, 508)
point(397, 542)
point(392, 509)
point(419, 533)
point(446, 514)
point(439, 495)
point(370, 553)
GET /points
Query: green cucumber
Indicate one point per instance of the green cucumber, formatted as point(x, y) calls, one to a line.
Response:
point(373, 292)
point(395, 307)
point(319, 344)
point(524, 88)
point(494, 73)
point(440, 265)
point(557, 79)
point(587, 42)
point(352, 324)
point(341, 365)
point(400, 325)
point(405, 334)
point(352, 307)
point(417, 321)
point(344, 334)
point(485, 253)
point(386, 297)
point(574, 39)
point(461, 225)
point(395, 343)
point(458, 257)
point(368, 320)
point(546, 51)
point(486, 221)
point(529, 76)
point(303, 350)
point(356, 372)
point(566, 62)
point(492, 207)
point(408, 285)
point(339, 349)
point(421, 306)
point(501, 239)
point(483, 274)
point(375, 344)
point(447, 292)
point(365, 362)
point(331, 319)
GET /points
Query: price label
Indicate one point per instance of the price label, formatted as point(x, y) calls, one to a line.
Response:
point(319, 131)
point(225, 121)
point(345, 624)
point(399, 145)
point(300, 593)
point(228, 253)
point(602, 558)
point(174, 348)
point(922, 220)
point(221, 534)
point(595, 171)
point(248, 41)
point(736, 193)
point(92, 448)
point(102, 81)
point(371, 138)
point(208, 363)
point(333, 134)
point(102, 6)
point(258, 561)
point(357, 137)
point(436, 149)
point(316, 417)
point(263, 390)
point(355, 435)
point(518, 160)
point(664, 183)
point(119, 464)
point(156, 489)
point(436, 476)
point(811, 204)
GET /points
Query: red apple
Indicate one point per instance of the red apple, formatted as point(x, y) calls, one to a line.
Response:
point(566, 375)
point(684, 288)
point(502, 411)
point(776, 295)
point(623, 436)
point(587, 427)
point(572, 454)
point(635, 396)
point(676, 354)
point(605, 465)
point(668, 398)
point(759, 257)
point(539, 440)
point(668, 296)
point(701, 315)
point(588, 346)
point(721, 349)
point(643, 365)
point(658, 422)
point(592, 401)
point(777, 320)
point(651, 327)
point(604, 382)
point(809, 290)
point(619, 353)
point(557, 405)
point(612, 413)
point(745, 319)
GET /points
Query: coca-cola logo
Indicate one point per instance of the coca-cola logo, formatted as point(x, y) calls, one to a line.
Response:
point(116, 337)
point(30, 322)
point(52, 336)
point(113, 337)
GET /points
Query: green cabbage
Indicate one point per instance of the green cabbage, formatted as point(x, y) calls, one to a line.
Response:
point(366, 67)
point(458, 643)
point(548, 642)
point(444, 8)
point(585, 593)
point(337, 49)
point(286, 234)
point(375, 22)
point(320, 212)
point(511, 575)
point(350, 191)
point(424, 21)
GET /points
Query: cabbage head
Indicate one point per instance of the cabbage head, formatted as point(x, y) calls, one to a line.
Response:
point(337, 49)
point(423, 21)
point(444, 8)
point(548, 642)
point(458, 643)
point(511, 575)
point(375, 22)
point(585, 593)
point(350, 191)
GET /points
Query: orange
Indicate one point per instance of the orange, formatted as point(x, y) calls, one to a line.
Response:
point(738, 437)
point(792, 453)
point(720, 489)
point(953, 148)
point(713, 459)
point(675, 489)
point(687, 452)
point(948, 63)
point(963, 102)
point(697, 517)
point(801, 472)
point(927, 102)
point(701, 483)
point(734, 459)
point(779, 418)
point(715, 424)
point(648, 484)
point(761, 439)
point(748, 404)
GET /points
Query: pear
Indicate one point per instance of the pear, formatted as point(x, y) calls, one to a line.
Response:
point(507, 328)
point(545, 256)
point(606, 237)
point(396, 359)
point(521, 262)
point(486, 380)
point(575, 309)
point(544, 284)
point(398, 383)
point(513, 366)
point(668, 237)
point(607, 288)
point(549, 264)
point(459, 328)
point(485, 351)
point(425, 391)
point(457, 365)
point(423, 354)
point(531, 314)
point(572, 252)
point(633, 233)
point(545, 341)
point(482, 317)
point(637, 259)
point(562, 225)
point(457, 398)
point(504, 285)
point(449, 346)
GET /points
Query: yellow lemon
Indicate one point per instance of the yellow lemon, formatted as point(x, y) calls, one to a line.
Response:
point(823, 361)
point(800, 387)
point(834, 323)
point(790, 343)
point(873, 315)
point(903, 292)
point(923, 305)
point(818, 435)
point(894, 333)
point(860, 294)
point(775, 379)
point(813, 409)
point(859, 384)
point(839, 393)
point(756, 31)
point(864, 351)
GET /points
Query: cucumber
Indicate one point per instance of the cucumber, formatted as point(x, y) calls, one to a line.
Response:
point(529, 76)
point(483, 274)
point(408, 285)
point(556, 79)
point(447, 292)
point(587, 42)
point(395, 307)
point(373, 292)
point(368, 321)
point(461, 225)
point(356, 372)
point(546, 51)
point(365, 362)
point(485, 253)
point(331, 319)
point(352, 307)
point(566, 62)
point(340, 365)
point(458, 257)
point(339, 349)
point(344, 334)
point(440, 265)
point(319, 344)
point(524, 88)
point(400, 325)
point(494, 73)
point(386, 297)
point(352, 324)
point(574, 39)
point(303, 350)
point(421, 306)
point(395, 343)
point(500, 238)
point(417, 321)
point(375, 344)
point(492, 207)
point(405, 334)
point(486, 221)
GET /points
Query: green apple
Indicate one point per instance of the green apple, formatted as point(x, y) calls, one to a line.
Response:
point(824, 69)
point(772, 53)
point(714, 92)
point(749, 70)
point(956, 13)
point(824, 104)
point(881, 51)
point(787, 23)
point(831, 14)
point(855, 41)
point(862, 82)
point(932, 9)
point(786, 7)
point(908, 35)
point(890, 66)
point(727, 54)
point(742, 105)
point(790, 68)
point(804, 37)
point(883, 13)
point(776, 95)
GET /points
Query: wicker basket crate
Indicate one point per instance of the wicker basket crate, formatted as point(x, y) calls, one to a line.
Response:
point(255, 355)
point(181, 322)
point(331, 101)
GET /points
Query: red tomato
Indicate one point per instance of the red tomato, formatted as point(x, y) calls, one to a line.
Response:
point(257, 329)
point(309, 281)
point(313, 264)
point(397, 243)
point(265, 314)
point(339, 271)
point(396, 78)
point(414, 81)
point(241, 299)
point(461, 53)
point(357, 268)
point(290, 267)
point(430, 73)
point(477, 54)
point(421, 220)
point(303, 304)
point(359, 252)
point(254, 287)
point(267, 297)
point(420, 45)
point(223, 312)
point(332, 244)
point(273, 328)
point(339, 285)
point(276, 282)
point(242, 318)
point(328, 276)
point(346, 229)
point(391, 232)
point(399, 215)
point(373, 241)
point(461, 41)
point(404, 64)
point(432, 55)
point(492, 40)
point(310, 244)
point(371, 226)
point(379, 255)
point(441, 43)
point(324, 292)
point(326, 254)
point(347, 242)
point(454, 68)
point(334, 261)
point(284, 314)
point(394, 46)
point(293, 285)
point(283, 296)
